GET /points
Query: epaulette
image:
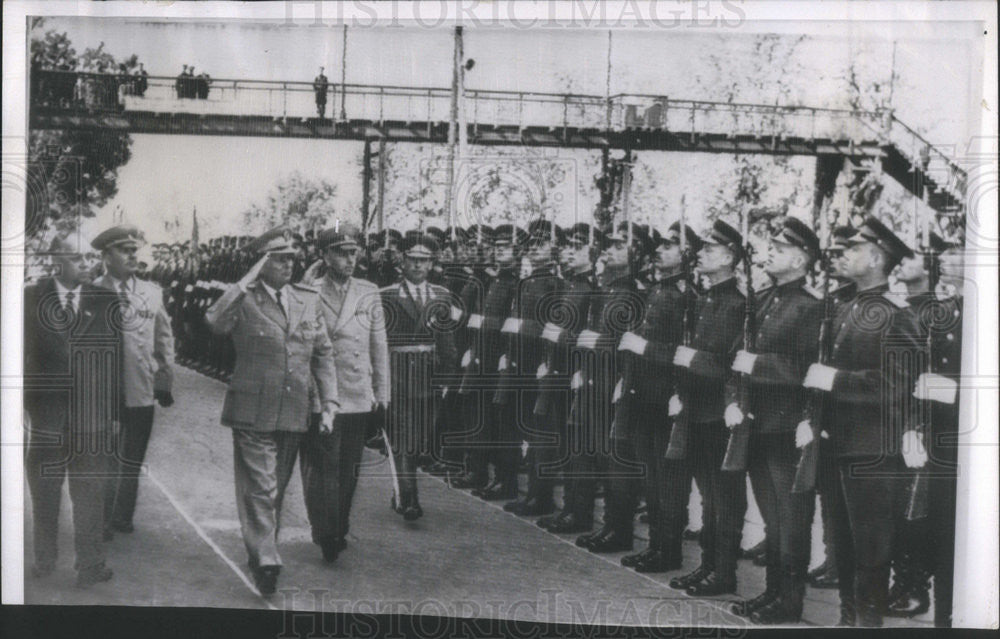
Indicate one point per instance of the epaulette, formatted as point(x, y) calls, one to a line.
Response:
point(305, 287)
point(899, 300)
point(437, 288)
point(386, 289)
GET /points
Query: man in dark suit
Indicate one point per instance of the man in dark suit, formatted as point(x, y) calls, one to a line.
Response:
point(330, 462)
point(282, 348)
point(420, 333)
point(72, 385)
point(868, 384)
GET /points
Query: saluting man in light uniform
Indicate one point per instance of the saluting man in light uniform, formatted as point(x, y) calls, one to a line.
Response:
point(281, 341)
point(352, 310)
point(148, 365)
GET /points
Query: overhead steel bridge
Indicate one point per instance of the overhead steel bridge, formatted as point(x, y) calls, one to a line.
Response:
point(264, 108)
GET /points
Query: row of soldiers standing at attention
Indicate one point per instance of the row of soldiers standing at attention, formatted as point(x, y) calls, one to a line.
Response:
point(635, 375)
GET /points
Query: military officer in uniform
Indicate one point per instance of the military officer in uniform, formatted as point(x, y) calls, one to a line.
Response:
point(577, 293)
point(525, 352)
point(718, 319)
point(282, 345)
point(494, 437)
point(910, 592)
point(472, 338)
point(420, 334)
point(148, 362)
point(619, 307)
point(930, 447)
point(788, 318)
point(646, 385)
point(330, 462)
point(869, 387)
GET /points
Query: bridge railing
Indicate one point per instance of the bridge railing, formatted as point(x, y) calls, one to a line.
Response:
point(71, 91)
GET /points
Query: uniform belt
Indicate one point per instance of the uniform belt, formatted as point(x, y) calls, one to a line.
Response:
point(414, 348)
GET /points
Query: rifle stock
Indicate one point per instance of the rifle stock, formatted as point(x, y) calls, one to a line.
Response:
point(681, 432)
point(807, 469)
point(918, 491)
point(738, 448)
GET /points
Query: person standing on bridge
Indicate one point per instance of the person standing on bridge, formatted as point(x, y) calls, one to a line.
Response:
point(148, 365)
point(320, 85)
point(282, 345)
point(330, 461)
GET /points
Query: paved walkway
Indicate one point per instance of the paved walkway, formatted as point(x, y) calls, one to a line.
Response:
point(465, 557)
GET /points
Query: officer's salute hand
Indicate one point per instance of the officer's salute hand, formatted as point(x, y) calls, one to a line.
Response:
point(312, 273)
point(252, 273)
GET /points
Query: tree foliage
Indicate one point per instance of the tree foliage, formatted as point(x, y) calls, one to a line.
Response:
point(70, 173)
point(300, 202)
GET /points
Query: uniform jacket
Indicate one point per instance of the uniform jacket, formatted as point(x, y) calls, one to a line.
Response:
point(875, 339)
point(357, 333)
point(53, 379)
point(149, 342)
point(786, 342)
point(487, 341)
point(532, 306)
point(408, 324)
point(616, 307)
point(718, 322)
point(276, 357)
point(649, 377)
point(939, 421)
point(573, 297)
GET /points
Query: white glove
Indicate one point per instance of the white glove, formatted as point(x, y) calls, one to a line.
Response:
point(511, 325)
point(744, 362)
point(914, 453)
point(326, 421)
point(551, 332)
point(820, 376)
point(577, 381)
point(632, 342)
point(733, 415)
point(674, 407)
point(683, 356)
point(803, 434)
point(615, 396)
point(502, 364)
point(543, 370)
point(475, 321)
point(456, 313)
point(936, 388)
point(444, 392)
point(467, 358)
point(587, 339)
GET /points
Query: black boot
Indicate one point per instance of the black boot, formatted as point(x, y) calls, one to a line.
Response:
point(615, 540)
point(657, 562)
point(787, 607)
point(584, 541)
point(909, 595)
point(630, 560)
point(696, 575)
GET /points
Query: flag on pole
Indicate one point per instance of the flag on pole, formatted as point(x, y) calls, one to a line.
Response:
point(194, 239)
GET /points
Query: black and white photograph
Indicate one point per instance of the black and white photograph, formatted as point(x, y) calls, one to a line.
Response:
point(648, 315)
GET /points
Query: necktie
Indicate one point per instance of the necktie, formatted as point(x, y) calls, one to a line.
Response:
point(281, 305)
point(420, 297)
point(123, 288)
point(69, 308)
